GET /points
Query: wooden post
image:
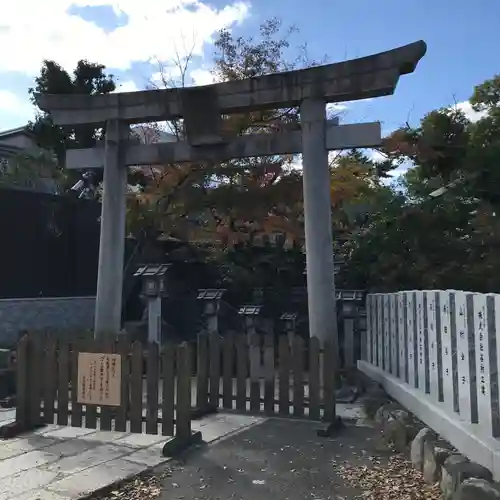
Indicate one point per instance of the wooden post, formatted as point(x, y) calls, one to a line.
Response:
point(22, 383)
point(214, 350)
point(228, 371)
point(183, 407)
point(202, 372)
point(152, 387)
point(136, 373)
point(168, 390)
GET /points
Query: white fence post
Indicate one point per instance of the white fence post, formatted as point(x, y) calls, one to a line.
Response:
point(433, 345)
point(412, 355)
point(463, 316)
point(387, 337)
point(402, 343)
point(368, 337)
point(373, 325)
point(445, 300)
point(380, 331)
point(374, 328)
point(421, 378)
point(482, 336)
point(393, 334)
point(445, 344)
point(493, 305)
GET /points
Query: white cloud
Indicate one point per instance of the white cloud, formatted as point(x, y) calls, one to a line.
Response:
point(127, 86)
point(12, 104)
point(466, 108)
point(9, 101)
point(335, 108)
point(202, 77)
point(158, 29)
point(375, 155)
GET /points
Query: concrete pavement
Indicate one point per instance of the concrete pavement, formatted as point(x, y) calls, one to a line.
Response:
point(62, 463)
point(277, 459)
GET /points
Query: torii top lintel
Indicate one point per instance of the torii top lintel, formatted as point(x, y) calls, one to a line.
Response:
point(372, 76)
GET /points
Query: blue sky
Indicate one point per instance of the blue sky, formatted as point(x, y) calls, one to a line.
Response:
point(129, 36)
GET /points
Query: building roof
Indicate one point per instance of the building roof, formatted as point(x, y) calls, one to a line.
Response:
point(15, 131)
point(150, 135)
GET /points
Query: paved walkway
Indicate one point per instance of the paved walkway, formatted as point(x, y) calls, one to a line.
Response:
point(61, 463)
point(279, 458)
point(285, 459)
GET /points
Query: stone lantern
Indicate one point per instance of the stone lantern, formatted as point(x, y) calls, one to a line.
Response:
point(351, 302)
point(211, 298)
point(290, 324)
point(154, 288)
point(250, 313)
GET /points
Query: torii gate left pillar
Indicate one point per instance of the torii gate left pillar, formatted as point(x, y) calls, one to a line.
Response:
point(108, 309)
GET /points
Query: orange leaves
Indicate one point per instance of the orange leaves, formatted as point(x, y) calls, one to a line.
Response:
point(350, 181)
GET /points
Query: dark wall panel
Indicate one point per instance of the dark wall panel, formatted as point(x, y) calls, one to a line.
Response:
point(49, 245)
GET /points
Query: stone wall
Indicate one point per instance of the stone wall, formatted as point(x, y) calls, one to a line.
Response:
point(61, 313)
point(439, 462)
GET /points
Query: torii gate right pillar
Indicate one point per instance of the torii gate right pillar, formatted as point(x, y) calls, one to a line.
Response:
point(318, 225)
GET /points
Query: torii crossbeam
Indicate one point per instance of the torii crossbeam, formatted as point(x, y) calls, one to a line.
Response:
point(201, 108)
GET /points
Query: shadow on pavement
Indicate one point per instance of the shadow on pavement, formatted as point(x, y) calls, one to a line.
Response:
point(278, 459)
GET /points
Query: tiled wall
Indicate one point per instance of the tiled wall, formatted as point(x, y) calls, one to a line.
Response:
point(61, 313)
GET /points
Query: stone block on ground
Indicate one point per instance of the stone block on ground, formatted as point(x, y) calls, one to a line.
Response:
point(417, 447)
point(435, 454)
point(383, 412)
point(374, 399)
point(397, 427)
point(457, 469)
point(477, 489)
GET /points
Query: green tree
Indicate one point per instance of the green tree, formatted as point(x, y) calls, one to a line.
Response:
point(232, 201)
point(87, 78)
point(33, 170)
point(418, 240)
point(232, 205)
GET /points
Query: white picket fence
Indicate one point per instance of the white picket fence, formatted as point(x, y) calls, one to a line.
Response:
point(443, 347)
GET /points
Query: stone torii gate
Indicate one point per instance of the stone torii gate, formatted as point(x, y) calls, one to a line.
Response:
point(201, 108)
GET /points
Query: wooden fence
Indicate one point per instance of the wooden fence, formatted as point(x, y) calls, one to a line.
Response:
point(155, 397)
point(262, 375)
point(162, 388)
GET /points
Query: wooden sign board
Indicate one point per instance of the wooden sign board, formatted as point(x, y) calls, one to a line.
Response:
point(99, 379)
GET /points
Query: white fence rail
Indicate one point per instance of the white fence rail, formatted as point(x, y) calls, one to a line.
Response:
point(444, 348)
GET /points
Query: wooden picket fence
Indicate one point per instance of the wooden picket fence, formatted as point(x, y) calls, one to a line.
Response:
point(259, 375)
point(47, 375)
point(162, 388)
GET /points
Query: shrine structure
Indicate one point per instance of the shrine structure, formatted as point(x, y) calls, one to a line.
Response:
point(201, 109)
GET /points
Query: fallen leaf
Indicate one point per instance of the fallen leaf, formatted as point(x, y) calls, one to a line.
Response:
point(258, 481)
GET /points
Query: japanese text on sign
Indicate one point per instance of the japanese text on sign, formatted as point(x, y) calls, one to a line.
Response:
point(99, 379)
